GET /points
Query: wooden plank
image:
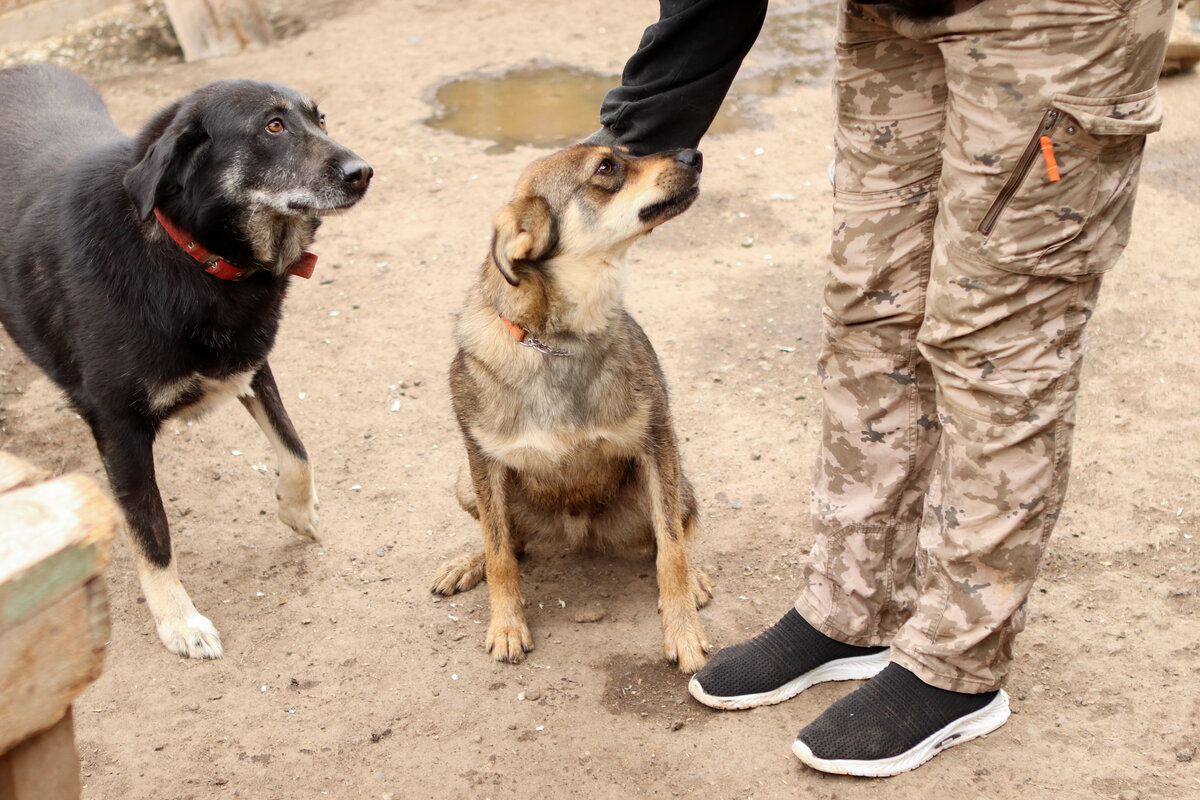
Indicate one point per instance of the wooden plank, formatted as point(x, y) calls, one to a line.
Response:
point(47, 660)
point(208, 28)
point(54, 536)
point(14, 472)
point(44, 767)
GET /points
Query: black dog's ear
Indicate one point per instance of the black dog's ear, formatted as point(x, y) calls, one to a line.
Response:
point(168, 159)
point(524, 230)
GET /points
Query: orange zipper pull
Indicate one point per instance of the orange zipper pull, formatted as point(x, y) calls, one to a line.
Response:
point(1048, 155)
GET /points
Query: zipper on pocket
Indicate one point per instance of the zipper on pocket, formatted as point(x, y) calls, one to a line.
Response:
point(1049, 120)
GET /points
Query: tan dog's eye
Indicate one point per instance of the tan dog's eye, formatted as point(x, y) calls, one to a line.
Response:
point(275, 126)
point(321, 122)
point(606, 167)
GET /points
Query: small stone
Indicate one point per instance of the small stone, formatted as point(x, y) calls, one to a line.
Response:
point(533, 694)
point(1129, 794)
point(588, 614)
point(726, 501)
point(1185, 754)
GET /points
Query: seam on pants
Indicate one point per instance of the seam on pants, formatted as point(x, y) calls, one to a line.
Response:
point(915, 356)
point(1127, 34)
point(1061, 445)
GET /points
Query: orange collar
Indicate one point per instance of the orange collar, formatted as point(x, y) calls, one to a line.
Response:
point(524, 339)
point(516, 330)
point(215, 265)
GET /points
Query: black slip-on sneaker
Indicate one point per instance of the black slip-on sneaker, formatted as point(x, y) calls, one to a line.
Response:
point(895, 722)
point(779, 663)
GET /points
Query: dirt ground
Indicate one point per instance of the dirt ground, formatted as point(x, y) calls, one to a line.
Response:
point(345, 678)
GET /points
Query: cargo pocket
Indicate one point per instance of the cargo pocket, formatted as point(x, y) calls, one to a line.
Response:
point(1066, 207)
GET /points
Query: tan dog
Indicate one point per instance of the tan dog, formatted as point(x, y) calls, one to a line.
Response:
point(560, 397)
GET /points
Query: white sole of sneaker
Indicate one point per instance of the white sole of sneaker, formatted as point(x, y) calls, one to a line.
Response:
point(858, 668)
point(963, 729)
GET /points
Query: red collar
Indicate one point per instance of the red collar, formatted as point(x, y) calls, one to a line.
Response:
point(215, 265)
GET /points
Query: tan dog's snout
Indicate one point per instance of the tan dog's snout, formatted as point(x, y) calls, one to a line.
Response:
point(675, 185)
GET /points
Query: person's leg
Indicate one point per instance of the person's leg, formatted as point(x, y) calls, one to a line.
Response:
point(1019, 248)
point(1015, 277)
point(879, 423)
point(879, 428)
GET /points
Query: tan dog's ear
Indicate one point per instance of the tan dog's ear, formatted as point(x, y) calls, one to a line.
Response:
point(524, 230)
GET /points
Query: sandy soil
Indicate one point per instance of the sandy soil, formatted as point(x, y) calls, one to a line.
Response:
point(345, 678)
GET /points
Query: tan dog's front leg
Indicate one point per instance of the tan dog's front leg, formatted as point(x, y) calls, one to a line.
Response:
point(508, 636)
point(684, 641)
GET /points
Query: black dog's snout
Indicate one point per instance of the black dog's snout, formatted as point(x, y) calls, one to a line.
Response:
point(691, 158)
point(357, 174)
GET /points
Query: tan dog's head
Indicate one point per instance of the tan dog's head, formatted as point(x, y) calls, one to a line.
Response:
point(590, 202)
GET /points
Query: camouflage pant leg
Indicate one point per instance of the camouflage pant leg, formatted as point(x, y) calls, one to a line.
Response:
point(1010, 276)
point(880, 423)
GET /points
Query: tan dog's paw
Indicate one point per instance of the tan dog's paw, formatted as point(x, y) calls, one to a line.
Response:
point(459, 574)
point(684, 642)
point(509, 640)
point(701, 586)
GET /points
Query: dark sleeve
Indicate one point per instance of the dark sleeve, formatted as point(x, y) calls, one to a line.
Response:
point(674, 84)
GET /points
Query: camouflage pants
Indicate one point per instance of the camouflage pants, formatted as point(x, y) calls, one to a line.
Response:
point(961, 280)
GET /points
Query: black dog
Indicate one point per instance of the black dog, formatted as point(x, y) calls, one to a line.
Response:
point(146, 277)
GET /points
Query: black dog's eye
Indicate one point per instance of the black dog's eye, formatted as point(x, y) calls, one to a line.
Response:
point(275, 126)
point(606, 167)
point(321, 122)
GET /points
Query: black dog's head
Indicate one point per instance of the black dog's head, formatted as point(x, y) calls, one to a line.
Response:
point(244, 161)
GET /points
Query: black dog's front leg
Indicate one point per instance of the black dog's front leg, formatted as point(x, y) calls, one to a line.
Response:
point(127, 449)
point(295, 489)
